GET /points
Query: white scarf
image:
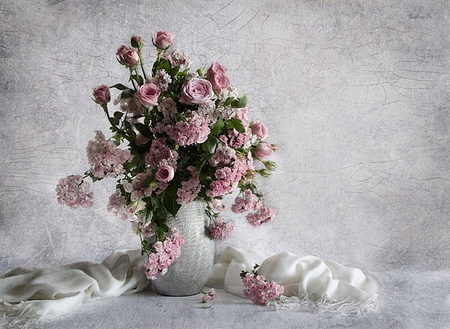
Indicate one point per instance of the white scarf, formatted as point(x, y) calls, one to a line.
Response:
point(47, 293)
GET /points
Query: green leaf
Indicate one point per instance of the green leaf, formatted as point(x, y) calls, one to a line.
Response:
point(161, 64)
point(169, 200)
point(235, 123)
point(143, 129)
point(229, 101)
point(138, 79)
point(117, 116)
point(120, 86)
point(210, 145)
point(218, 126)
point(240, 102)
point(127, 93)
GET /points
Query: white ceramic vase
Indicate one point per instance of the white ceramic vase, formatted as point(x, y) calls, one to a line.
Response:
point(188, 274)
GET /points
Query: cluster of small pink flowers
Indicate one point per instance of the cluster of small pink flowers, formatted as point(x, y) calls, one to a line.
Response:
point(129, 105)
point(178, 58)
point(227, 178)
point(168, 107)
point(220, 230)
point(262, 216)
point(74, 192)
point(224, 155)
point(189, 189)
point(259, 290)
point(166, 252)
point(105, 158)
point(216, 204)
point(143, 185)
point(160, 154)
point(161, 79)
point(118, 206)
point(194, 130)
point(247, 202)
point(238, 139)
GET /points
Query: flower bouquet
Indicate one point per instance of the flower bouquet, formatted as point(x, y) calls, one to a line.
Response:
point(177, 136)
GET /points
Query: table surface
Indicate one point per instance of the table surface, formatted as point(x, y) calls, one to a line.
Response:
point(411, 299)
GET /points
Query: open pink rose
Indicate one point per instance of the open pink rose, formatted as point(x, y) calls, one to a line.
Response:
point(196, 91)
point(165, 173)
point(101, 94)
point(220, 82)
point(148, 94)
point(127, 56)
point(163, 39)
point(258, 129)
point(263, 150)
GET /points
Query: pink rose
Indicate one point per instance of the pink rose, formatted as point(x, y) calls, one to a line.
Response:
point(196, 91)
point(127, 56)
point(217, 75)
point(101, 94)
point(148, 94)
point(165, 174)
point(259, 129)
point(163, 39)
point(214, 69)
point(220, 82)
point(263, 150)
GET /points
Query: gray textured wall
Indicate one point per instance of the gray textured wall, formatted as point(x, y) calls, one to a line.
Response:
point(354, 92)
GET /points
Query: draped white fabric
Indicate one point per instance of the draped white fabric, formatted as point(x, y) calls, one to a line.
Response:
point(310, 279)
point(55, 291)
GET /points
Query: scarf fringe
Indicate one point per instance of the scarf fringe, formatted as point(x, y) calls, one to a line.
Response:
point(17, 316)
point(329, 306)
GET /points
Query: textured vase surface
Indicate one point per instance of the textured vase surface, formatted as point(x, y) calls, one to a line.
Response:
point(188, 274)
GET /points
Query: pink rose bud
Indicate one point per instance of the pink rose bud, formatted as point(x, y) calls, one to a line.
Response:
point(136, 41)
point(163, 39)
point(127, 56)
point(101, 94)
point(165, 174)
point(214, 69)
point(263, 150)
point(148, 94)
point(259, 129)
point(216, 74)
point(196, 91)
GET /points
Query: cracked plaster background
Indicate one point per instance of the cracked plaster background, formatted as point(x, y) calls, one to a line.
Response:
point(355, 93)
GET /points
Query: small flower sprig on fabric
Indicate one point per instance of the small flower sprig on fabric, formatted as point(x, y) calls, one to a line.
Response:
point(258, 289)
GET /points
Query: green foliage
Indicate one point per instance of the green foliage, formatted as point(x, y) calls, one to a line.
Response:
point(169, 200)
